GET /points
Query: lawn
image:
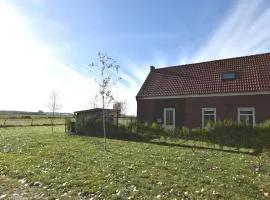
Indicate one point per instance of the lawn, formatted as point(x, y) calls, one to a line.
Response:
point(35, 164)
point(30, 122)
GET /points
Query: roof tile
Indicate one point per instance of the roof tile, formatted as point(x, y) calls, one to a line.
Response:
point(253, 74)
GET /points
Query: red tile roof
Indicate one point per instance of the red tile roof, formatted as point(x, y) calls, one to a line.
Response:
point(253, 75)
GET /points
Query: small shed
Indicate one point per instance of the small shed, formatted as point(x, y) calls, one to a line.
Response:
point(111, 115)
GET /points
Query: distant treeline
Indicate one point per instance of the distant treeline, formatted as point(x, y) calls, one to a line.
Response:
point(30, 115)
point(22, 117)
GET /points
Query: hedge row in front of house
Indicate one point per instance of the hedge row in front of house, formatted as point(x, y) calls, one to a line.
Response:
point(223, 133)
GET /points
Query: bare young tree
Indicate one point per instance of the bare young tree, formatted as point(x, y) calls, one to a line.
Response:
point(95, 101)
point(105, 72)
point(121, 106)
point(53, 105)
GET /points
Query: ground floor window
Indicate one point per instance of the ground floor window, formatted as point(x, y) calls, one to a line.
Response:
point(208, 116)
point(246, 116)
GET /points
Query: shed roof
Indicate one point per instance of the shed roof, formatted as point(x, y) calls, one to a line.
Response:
point(94, 110)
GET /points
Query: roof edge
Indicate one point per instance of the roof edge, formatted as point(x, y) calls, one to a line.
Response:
point(94, 109)
point(144, 83)
point(267, 92)
point(216, 60)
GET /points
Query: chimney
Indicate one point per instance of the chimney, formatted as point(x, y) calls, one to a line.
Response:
point(152, 68)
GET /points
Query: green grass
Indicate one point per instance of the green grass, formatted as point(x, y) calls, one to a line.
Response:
point(74, 167)
point(29, 122)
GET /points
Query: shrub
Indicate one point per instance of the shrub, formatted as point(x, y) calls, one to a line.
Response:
point(158, 130)
point(263, 132)
point(230, 133)
point(197, 134)
point(185, 133)
point(130, 131)
point(224, 133)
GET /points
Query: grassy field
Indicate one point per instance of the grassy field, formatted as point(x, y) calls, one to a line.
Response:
point(30, 122)
point(35, 164)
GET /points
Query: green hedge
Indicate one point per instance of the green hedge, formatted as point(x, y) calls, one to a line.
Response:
point(129, 132)
point(223, 133)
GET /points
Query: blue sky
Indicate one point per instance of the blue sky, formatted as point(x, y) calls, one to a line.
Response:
point(47, 44)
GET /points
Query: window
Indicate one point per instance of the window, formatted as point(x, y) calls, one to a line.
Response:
point(246, 116)
point(228, 75)
point(208, 115)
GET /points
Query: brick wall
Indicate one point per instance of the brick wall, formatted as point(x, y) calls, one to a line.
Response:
point(226, 107)
point(188, 111)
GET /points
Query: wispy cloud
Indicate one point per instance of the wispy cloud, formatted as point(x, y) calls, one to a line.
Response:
point(149, 36)
point(29, 68)
point(36, 2)
point(244, 31)
point(133, 80)
point(128, 88)
point(140, 36)
point(31, 65)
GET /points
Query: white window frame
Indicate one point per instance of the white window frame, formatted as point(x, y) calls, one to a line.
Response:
point(246, 109)
point(209, 109)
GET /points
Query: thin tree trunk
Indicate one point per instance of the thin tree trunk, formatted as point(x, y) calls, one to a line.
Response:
point(52, 125)
point(52, 122)
point(104, 124)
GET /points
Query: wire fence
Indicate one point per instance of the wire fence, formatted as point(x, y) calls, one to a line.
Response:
point(42, 121)
point(20, 122)
point(125, 121)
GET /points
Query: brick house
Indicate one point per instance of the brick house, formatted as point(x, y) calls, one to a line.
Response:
point(190, 95)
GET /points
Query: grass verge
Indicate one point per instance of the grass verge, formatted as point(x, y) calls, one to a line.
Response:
point(35, 164)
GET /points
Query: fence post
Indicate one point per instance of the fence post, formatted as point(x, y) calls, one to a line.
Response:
point(5, 123)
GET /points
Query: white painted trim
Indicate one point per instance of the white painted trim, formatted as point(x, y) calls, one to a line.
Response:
point(209, 109)
point(246, 109)
point(207, 95)
point(164, 117)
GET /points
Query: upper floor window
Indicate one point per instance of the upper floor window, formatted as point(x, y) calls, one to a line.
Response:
point(228, 75)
